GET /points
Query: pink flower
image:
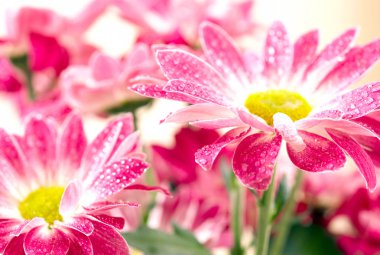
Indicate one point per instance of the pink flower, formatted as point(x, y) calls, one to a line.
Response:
point(9, 77)
point(56, 189)
point(362, 210)
point(101, 84)
point(177, 22)
point(293, 95)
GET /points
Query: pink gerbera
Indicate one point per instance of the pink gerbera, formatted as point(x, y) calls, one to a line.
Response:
point(291, 94)
point(56, 189)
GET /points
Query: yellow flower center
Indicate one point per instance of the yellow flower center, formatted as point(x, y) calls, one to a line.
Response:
point(267, 103)
point(43, 202)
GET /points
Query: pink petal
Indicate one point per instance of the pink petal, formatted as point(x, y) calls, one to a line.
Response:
point(70, 198)
point(130, 146)
point(222, 54)
point(369, 123)
point(356, 63)
point(305, 49)
point(198, 91)
point(254, 121)
point(356, 152)
point(287, 129)
point(42, 241)
point(72, 144)
point(9, 80)
point(15, 246)
point(10, 189)
point(333, 50)
point(107, 241)
point(178, 64)
point(7, 227)
point(104, 67)
point(26, 226)
point(104, 206)
point(357, 102)
point(79, 244)
point(206, 156)
point(157, 91)
point(46, 52)
point(254, 159)
point(320, 154)
point(80, 224)
point(197, 112)
point(218, 123)
point(116, 222)
point(40, 144)
point(278, 53)
point(143, 187)
point(115, 177)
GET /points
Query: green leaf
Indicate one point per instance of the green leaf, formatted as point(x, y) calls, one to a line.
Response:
point(155, 242)
point(22, 63)
point(281, 197)
point(130, 106)
point(310, 240)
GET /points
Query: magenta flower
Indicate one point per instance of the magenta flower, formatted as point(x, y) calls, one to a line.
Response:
point(293, 95)
point(56, 189)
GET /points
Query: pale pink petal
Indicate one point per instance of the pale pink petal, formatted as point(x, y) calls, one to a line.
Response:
point(206, 156)
point(198, 91)
point(197, 112)
point(42, 241)
point(179, 64)
point(104, 67)
point(40, 144)
point(357, 102)
point(80, 224)
point(116, 222)
point(115, 177)
point(305, 49)
point(26, 226)
point(254, 121)
point(130, 145)
point(72, 144)
point(222, 54)
point(80, 244)
point(157, 91)
point(107, 241)
point(218, 123)
point(15, 246)
point(9, 187)
point(327, 114)
point(287, 129)
point(333, 50)
point(254, 159)
point(357, 153)
point(278, 53)
point(104, 206)
point(7, 227)
point(320, 154)
point(356, 63)
point(70, 198)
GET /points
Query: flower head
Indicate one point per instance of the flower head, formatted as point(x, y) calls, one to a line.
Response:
point(291, 94)
point(56, 190)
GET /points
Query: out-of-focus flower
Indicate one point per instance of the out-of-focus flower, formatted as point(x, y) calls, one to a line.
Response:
point(173, 21)
point(101, 84)
point(56, 189)
point(9, 78)
point(362, 212)
point(293, 94)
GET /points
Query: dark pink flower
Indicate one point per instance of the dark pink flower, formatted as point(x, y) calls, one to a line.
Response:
point(177, 22)
point(291, 94)
point(9, 77)
point(56, 190)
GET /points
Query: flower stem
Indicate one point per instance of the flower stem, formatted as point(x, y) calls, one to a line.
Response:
point(265, 218)
point(284, 225)
point(236, 218)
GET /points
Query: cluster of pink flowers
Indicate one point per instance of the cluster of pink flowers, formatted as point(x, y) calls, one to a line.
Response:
point(290, 108)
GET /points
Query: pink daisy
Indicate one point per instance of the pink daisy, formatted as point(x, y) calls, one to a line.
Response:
point(56, 189)
point(291, 95)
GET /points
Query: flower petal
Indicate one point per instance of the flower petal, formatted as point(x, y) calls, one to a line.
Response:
point(80, 244)
point(104, 206)
point(79, 224)
point(305, 49)
point(254, 159)
point(116, 222)
point(284, 124)
point(320, 154)
point(217, 123)
point(198, 91)
point(15, 246)
point(179, 64)
point(206, 156)
point(254, 121)
point(222, 54)
point(107, 241)
point(278, 53)
point(333, 50)
point(6, 227)
point(357, 153)
point(42, 241)
point(115, 177)
point(70, 198)
point(355, 64)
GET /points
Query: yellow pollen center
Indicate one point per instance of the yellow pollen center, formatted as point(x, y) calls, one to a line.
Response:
point(268, 103)
point(43, 202)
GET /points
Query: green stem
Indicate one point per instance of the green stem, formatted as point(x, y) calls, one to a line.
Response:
point(284, 225)
point(237, 218)
point(265, 215)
